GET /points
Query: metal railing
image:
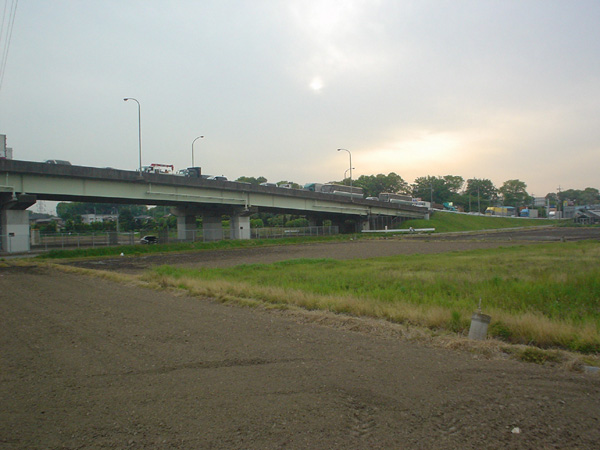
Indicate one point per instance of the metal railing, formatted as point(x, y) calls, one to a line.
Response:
point(276, 232)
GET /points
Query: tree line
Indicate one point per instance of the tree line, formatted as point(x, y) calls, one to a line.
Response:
point(474, 194)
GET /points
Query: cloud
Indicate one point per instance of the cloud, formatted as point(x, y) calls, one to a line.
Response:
point(497, 90)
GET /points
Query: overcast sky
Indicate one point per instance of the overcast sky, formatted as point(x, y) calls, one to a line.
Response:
point(483, 89)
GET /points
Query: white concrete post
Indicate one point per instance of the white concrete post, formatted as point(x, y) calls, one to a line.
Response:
point(240, 226)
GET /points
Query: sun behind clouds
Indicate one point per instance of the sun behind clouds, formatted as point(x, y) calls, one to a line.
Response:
point(316, 84)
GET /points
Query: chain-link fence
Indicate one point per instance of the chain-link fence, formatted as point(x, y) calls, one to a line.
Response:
point(50, 241)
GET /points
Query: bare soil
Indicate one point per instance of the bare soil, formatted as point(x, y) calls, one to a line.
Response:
point(87, 363)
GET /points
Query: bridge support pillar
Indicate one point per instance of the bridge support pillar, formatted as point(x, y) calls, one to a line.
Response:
point(14, 222)
point(186, 228)
point(240, 226)
point(212, 227)
point(365, 224)
point(14, 226)
point(186, 223)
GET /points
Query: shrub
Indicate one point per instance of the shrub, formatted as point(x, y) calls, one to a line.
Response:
point(500, 330)
point(538, 356)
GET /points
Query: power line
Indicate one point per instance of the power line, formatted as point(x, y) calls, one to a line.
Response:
point(7, 36)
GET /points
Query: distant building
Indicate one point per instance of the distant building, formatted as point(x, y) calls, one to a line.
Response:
point(5, 152)
point(45, 219)
point(91, 218)
point(588, 215)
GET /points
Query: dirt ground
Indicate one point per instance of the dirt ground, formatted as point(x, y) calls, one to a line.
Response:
point(87, 363)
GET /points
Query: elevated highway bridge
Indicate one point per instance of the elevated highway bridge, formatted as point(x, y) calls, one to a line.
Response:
point(22, 183)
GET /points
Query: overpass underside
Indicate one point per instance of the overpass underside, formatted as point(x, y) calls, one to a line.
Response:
point(22, 183)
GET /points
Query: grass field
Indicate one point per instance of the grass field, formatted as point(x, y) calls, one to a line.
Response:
point(547, 295)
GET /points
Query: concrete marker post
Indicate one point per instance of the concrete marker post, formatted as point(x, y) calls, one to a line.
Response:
point(479, 325)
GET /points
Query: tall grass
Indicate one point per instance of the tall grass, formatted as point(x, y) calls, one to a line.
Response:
point(545, 294)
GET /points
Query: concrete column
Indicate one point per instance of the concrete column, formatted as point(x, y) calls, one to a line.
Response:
point(365, 224)
point(186, 223)
point(14, 229)
point(212, 227)
point(240, 226)
point(186, 227)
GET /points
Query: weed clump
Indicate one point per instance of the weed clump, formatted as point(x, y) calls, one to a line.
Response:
point(538, 356)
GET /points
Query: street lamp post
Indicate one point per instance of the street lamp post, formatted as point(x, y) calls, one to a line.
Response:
point(199, 137)
point(346, 171)
point(350, 169)
point(139, 128)
point(431, 194)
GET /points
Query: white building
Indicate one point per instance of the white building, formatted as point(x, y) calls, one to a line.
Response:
point(91, 218)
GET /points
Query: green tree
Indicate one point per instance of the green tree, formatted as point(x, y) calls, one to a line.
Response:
point(454, 183)
point(514, 193)
point(126, 220)
point(299, 222)
point(373, 185)
point(552, 198)
point(438, 189)
point(68, 210)
point(480, 193)
point(588, 196)
point(256, 223)
point(252, 180)
point(482, 187)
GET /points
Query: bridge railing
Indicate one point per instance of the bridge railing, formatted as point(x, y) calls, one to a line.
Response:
point(281, 232)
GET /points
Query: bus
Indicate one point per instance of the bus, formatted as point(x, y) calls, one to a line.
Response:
point(396, 198)
point(336, 189)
